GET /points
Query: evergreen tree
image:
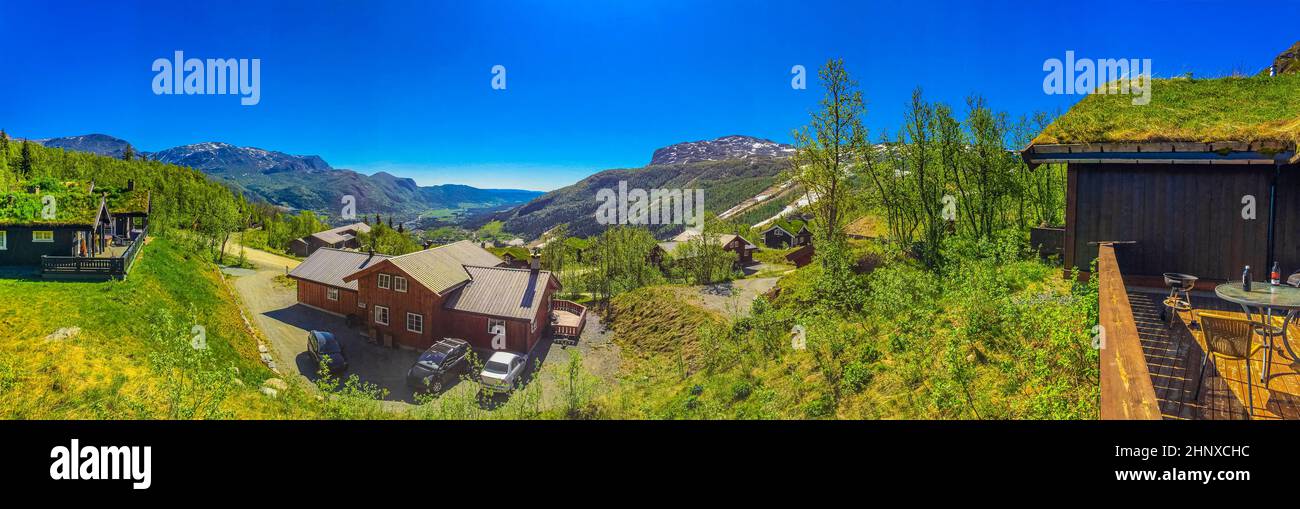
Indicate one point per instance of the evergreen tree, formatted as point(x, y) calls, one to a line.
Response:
point(25, 165)
point(128, 153)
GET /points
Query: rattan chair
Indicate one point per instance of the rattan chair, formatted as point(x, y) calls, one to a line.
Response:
point(1227, 337)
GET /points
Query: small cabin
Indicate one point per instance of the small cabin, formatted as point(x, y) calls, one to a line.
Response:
point(75, 230)
point(342, 237)
point(787, 233)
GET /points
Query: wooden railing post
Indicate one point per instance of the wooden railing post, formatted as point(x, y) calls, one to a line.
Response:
point(1126, 390)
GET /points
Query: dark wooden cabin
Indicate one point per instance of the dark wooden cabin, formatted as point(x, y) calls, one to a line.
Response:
point(787, 233)
point(91, 230)
point(1206, 209)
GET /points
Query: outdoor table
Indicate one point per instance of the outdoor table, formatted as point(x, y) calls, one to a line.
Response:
point(1269, 298)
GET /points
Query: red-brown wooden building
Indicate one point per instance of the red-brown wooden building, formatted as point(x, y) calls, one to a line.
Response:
point(459, 291)
point(321, 284)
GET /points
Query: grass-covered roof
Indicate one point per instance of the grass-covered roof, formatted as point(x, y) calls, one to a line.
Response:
point(1236, 109)
point(74, 203)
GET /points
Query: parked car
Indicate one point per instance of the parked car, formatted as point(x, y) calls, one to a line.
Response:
point(438, 365)
point(323, 345)
point(502, 371)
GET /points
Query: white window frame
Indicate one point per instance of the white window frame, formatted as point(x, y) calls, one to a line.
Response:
point(51, 239)
point(384, 281)
point(332, 293)
point(385, 310)
point(4, 240)
point(400, 287)
point(534, 326)
point(361, 304)
point(493, 321)
point(419, 323)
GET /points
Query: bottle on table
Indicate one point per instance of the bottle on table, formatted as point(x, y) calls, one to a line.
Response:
point(1275, 275)
point(1245, 279)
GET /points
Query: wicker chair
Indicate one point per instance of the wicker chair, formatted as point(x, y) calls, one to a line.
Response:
point(1227, 337)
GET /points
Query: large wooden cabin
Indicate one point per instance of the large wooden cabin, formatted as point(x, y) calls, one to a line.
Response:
point(458, 290)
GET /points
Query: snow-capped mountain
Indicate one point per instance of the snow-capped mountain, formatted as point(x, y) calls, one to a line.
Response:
point(230, 160)
point(721, 149)
point(101, 144)
point(305, 182)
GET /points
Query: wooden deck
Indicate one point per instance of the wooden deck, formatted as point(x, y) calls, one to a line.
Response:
point(1173, 358)
point(567, 319)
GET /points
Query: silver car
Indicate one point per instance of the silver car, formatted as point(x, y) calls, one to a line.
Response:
point(503, 371)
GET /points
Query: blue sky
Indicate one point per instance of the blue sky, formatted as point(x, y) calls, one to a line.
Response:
point(405, 86)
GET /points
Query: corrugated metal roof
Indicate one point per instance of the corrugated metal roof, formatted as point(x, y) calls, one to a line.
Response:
point(500, 291)
point(342, 233)
point(443, 268)
point(329, 266)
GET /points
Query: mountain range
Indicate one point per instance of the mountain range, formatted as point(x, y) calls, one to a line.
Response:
point(307, 182)
point(738, 174)
point(732, 171)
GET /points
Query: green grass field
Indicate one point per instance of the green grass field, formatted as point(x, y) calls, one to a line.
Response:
point(132, 358)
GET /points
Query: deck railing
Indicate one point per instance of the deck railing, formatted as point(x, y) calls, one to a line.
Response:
point(569, 331)
point(86, 266)
point(1126, 390)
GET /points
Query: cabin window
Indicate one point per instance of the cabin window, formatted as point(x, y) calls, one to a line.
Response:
point(385, 281)
point(399, 283)
point(493, 323)
point(332, 293)
point(4, 240)
point(381, 315)
point(361, 304)
point(415, 323)
point(42, 236)
point(534, 328)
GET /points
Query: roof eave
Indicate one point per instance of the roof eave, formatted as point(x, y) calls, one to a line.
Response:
point(1225, 152)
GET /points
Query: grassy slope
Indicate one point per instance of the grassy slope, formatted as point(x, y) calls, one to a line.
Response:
point(107, 370)
point(1012, 330)
point(1194, 110)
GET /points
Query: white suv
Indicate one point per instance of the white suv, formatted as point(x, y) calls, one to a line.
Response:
point(503, 371)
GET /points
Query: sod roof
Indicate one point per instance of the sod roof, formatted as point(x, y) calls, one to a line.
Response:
point(1236, 109)
point(74, 204)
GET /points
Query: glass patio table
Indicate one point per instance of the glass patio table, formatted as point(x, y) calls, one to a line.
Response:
point(1270, 299)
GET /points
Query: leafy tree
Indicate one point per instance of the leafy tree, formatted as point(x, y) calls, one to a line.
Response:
point(829, 150)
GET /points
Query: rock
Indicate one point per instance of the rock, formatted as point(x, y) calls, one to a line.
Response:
point(270, 392)
point(266, 358)
point(64, 333)
point(276, 383)
point(261, 347)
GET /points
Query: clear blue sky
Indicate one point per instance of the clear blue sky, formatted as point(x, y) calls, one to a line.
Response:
point(405, 86)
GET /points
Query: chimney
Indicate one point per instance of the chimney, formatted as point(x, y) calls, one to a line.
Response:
point(535, 261)
point(130, 185)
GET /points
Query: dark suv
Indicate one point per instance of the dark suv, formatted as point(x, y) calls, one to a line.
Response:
point(439, 365)
point(323, 345)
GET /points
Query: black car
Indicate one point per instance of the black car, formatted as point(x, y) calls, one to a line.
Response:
point(322, 344)
point(438, 365)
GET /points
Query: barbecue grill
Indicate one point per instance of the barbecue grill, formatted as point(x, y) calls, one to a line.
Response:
point(1180, 298)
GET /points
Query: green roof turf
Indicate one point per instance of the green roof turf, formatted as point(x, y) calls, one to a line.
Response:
point(1236, 109)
